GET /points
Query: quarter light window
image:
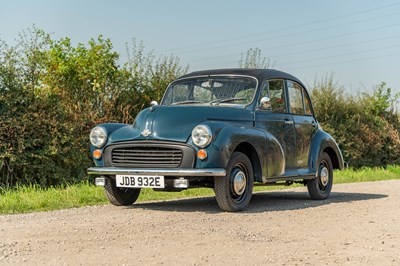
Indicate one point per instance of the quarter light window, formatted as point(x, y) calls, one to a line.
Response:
point(307, 104)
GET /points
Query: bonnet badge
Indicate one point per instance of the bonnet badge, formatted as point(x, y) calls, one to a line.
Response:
point(146, 132)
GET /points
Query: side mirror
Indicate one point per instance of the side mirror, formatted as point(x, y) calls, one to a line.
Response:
point(265, 103)
point(153, 105)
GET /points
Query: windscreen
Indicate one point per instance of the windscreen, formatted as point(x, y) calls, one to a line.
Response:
point(218, 90)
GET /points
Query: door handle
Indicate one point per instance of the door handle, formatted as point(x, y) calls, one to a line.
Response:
point(288, 122)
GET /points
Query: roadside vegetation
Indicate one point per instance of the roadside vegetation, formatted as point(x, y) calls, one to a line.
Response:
point(33, 198)
point(52, 92)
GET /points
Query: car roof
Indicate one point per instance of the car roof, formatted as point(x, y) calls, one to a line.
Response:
point(259, 74)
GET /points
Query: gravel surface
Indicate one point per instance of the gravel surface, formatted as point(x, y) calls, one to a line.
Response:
point(357, 225)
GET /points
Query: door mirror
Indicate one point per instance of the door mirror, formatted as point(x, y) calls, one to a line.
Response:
point(265, 103)
point(153, 105)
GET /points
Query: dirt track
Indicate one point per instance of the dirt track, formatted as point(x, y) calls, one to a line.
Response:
point(358, 225)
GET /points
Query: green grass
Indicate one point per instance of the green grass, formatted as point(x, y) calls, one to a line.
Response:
point(24, 199)
point(367, 174)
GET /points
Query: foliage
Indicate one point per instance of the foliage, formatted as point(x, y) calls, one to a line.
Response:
point(366, 127)
point(52, 93)
point(253, 59)
point(149, 76)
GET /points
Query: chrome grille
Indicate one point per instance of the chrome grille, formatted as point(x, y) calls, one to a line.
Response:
point(147, 156)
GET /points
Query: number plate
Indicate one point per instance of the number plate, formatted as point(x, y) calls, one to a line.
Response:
point(139, 181)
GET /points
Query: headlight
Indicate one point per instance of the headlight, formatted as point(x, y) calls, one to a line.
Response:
point(98, 137)
point(201, 136)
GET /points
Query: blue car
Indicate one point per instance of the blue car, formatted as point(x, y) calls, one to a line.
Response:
point(226, 129)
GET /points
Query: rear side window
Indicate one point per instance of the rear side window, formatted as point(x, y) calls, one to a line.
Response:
point(295, 98)
point(299, 100)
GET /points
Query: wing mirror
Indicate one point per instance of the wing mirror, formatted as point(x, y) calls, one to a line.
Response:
point(265, 103)
point(153, 105)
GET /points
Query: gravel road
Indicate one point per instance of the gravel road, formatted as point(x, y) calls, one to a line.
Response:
point(358, 225)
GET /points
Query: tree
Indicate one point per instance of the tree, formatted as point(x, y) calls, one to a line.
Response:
point(147, 76)
point(253, 59)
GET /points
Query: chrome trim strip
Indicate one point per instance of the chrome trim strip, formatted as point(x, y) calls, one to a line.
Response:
point(157, 171)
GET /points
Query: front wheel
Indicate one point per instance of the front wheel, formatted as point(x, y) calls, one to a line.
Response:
point(233, 192)
point(120, 196)
point(320, 187)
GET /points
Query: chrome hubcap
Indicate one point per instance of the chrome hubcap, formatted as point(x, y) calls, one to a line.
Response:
point(324, 176)
point(239, 183)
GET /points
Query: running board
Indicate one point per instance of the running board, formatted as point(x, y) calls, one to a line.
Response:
point(288, 178)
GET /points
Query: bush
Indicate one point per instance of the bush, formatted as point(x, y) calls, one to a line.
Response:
point(52, 94)
point(366, 127)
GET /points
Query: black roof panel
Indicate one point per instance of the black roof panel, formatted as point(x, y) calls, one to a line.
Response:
point(260, 74)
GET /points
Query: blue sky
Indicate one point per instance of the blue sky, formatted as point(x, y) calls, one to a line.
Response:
point(356, 41)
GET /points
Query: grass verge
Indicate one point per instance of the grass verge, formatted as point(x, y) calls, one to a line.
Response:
point(24, 199)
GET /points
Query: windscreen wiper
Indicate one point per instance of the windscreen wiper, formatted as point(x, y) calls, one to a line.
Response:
point(226, 100)
point(186, 102)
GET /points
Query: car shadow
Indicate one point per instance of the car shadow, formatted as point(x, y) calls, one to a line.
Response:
point(260, 202)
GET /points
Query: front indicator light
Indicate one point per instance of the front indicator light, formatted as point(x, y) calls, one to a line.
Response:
point(97, 154)
point(202, 154)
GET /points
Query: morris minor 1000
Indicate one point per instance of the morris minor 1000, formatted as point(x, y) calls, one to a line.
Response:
point(227, 129)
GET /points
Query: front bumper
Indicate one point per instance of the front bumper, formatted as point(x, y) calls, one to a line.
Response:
point(205, 172)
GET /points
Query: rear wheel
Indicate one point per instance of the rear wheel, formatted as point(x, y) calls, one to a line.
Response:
point(120, 196)
point(233, 192)
point(320, 187)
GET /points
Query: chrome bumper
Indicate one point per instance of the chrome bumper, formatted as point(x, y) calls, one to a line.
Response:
point(157, 171)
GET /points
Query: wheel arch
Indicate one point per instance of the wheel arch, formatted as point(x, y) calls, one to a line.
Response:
point(333, 156)
point(323, 142)
point(248, 149)
point(261, 147)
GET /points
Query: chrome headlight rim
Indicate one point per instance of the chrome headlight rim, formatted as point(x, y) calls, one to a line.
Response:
point(98, 136)
point(201, 136)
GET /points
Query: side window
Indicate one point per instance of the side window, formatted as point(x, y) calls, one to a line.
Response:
point(295, 98)
point(277, 96)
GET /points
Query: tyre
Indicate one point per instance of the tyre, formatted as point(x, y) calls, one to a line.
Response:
point(320, 187)
point(120, 196)
point(233, 192)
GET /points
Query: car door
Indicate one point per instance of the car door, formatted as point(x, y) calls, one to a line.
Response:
point(304, 123)
point(278, 121)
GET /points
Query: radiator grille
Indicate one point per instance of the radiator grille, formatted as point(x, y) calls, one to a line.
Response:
point(147, 156)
